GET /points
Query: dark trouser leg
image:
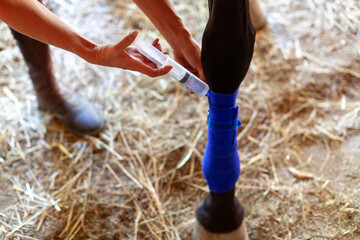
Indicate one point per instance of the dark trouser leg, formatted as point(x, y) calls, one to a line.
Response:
point(37, 57)
point(76, 113)
point(227, 49)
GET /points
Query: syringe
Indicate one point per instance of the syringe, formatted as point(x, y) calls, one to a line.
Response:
point(178, 72)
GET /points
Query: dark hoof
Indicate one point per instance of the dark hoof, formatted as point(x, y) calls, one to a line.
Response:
point(200, 233)
point(220, 217)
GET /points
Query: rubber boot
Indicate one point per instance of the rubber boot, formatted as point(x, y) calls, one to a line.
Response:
point(76, 113)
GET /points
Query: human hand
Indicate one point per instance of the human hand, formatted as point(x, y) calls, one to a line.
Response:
point(163, 15)
point(189, 57)
point(121, 55)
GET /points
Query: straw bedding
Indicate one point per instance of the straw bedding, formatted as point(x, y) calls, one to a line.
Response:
point(141, 179)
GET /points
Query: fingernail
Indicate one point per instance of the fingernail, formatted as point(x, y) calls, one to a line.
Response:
point(133, 33)
point(156, 41)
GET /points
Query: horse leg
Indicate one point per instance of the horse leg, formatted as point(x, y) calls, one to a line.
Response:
point(227, 49)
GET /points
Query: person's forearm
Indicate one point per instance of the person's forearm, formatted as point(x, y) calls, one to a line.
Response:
point(32, 19)
point(163, 15)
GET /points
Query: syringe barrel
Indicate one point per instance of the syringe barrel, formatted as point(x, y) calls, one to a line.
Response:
point(178, 72)
point(151, 52)
point(188, 79)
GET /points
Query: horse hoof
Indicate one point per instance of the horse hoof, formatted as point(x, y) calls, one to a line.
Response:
point(257, 14)
point(200, 233)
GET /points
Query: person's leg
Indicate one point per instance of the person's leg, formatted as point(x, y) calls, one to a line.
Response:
point(77, 114)
point(227, 49)
point(37, 57)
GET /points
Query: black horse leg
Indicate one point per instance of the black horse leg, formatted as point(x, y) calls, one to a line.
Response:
point(227, 45)
point(227, 49)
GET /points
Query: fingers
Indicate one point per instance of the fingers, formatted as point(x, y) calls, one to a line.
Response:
point(156, 72)
point(135, 64)
point(138, 65)
point(157, 44)
point(127, 40)
point(200, 71)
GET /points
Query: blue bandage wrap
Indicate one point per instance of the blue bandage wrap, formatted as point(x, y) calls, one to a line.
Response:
point(221, 162)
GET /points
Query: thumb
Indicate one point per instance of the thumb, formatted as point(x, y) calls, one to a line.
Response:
point(200, 71)
point(127, 40)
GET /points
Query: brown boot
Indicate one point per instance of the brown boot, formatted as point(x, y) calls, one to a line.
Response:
point(76, 113)
point(257, 14)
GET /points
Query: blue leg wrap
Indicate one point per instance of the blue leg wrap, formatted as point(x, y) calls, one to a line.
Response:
point(221, 162)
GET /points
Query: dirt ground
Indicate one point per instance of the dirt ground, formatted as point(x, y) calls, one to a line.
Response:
point(299, 142)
